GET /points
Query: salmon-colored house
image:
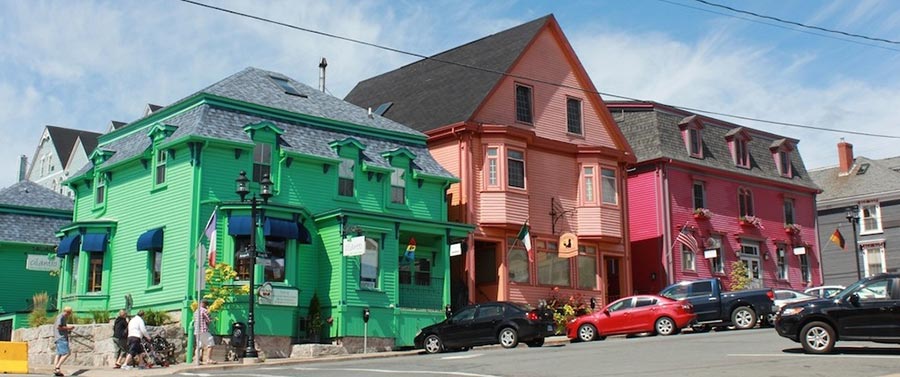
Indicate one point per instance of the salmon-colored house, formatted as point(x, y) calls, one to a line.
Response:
point(516, 117)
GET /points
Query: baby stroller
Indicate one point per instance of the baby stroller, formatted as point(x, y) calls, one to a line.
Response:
point(158, 352)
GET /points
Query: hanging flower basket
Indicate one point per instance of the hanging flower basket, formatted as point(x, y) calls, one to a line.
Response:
point(702, 213)
point(792, 228)
point(751, 221)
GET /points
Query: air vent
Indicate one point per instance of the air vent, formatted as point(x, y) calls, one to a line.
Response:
point(862, 169)
point(286, 85)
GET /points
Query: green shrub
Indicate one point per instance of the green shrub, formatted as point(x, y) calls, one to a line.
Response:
point(100, 316)
point(737, 278)
point(155, 318)
point(38, 315)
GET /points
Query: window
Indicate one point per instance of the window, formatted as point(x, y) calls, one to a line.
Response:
point(643, 301)
point(687, 259)
point(286, 86)
point(275, 251)
point(573, 115)
point(876, 290)
point(492, 166)
point(784, 163)
point(155, 266)
point(789, 211)
point(741, 154)
point(610, 193)
point(552, 270)
point(398, 186)
point(523, 104)
point(242, 257)
point(368, 265)
point(781, 263)
point(160, 167)
point(804, 267)
point(420, 269)
point(465, 315)
point(699, 195)
point(588, 184)
point(695, 142)
point(95, 273)
point(345, 177)
point(515, 164)
point(745, 202)
point(874, 259)
point(489, 312)
point(715, 263)
point(262, 161)
point(586, 263)
point(701, 288)
point(626, 303)
point(100, 189)
point(73, 272)
point(518, 262)
point(870, 214)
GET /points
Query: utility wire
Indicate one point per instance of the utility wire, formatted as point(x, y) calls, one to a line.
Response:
point(468, 66)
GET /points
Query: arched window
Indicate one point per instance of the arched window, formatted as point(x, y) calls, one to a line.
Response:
point(745, 202)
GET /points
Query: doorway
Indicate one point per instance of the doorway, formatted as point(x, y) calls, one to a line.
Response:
point(486, 281)
point(750, 258)
point(613, 277)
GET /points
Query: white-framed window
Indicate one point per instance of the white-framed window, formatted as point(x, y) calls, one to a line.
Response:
point(609, 190)
point(573, 115)
point(873, 255)
point(368, 265)
point(687, 259)
point(551, 269)
point(160, 165)
point(73, 270)
point(100, 189)
point(870, 218)
point(515, 168)
point(262, 161)
point(492, 168)
point(588, 188)
point(695, 142)
point(524, 110)
point(586, 269)
point(716, 264)
point(155, 263)
point(781, 262)
point(398, 186)
point(345, 177)
point(518, 262)
point(699, 191)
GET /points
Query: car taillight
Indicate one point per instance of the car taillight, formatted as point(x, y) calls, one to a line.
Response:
point(770, 294)
point(686, 306)
point(532, 315)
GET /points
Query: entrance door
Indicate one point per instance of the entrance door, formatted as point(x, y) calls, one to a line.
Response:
point(485, 271)
point(750, 257)
point(613, 278)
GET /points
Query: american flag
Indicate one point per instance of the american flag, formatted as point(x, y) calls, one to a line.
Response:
point(687, 239)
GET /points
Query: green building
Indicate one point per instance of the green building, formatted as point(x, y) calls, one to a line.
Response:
point(338, 172)
point(30, 214)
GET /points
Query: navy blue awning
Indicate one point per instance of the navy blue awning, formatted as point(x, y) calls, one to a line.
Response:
point(239, 225)
point(94, 242)
point(69, 244)
point(280, 229)
point(151, 240)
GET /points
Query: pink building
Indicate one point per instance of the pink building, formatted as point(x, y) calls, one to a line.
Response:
point(531, 141)
point(740, 194)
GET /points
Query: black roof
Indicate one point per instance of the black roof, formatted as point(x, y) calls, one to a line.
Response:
point(64, 140)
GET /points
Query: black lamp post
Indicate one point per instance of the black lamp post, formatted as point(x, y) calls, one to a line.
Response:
point(265, 192)
point(853, 218)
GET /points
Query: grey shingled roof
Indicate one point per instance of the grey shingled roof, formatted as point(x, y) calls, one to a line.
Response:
point(653, 133)
point(428, 94)
point(64, 140)
point(32, 228)
point(32, 195)
point(254, 85)
point(878, 178)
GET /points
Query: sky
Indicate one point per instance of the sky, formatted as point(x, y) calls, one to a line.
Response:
point(82, 64)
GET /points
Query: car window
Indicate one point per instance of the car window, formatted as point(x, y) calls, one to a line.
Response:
point(464, 315)
point(876, 290)
point(645, 301)
point(701, 288)
point(830, 292)
point(784, 295)
point(676, 291)
point(621, 305)
point(489, 312)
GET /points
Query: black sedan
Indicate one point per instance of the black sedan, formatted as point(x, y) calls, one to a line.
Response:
point(505, 323)
point(868, 310)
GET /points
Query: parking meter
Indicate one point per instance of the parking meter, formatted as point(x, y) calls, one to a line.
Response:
point(593, 303)
point(366, 315)
point(448, 311)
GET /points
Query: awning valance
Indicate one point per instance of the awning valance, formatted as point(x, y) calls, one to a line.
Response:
point(95, 242)
point(280, 229)
point(69, 244)
point(151, 240)
point(239, 225)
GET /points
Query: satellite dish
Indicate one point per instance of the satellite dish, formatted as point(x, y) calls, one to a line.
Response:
point(128, 303)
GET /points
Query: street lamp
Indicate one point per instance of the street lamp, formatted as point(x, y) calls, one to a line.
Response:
point(265, 192)
point(853, 218)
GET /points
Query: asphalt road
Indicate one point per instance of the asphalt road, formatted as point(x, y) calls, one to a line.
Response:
point(758, 352)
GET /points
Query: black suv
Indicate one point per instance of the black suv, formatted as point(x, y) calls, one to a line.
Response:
point(868, 310)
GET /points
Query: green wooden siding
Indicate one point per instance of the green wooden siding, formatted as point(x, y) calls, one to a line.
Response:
point(19, 284)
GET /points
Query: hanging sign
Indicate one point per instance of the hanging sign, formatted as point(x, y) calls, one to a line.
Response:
point(455, 249)
point(711, 253)
point(800, 250)
point(354, 246)
point(568, 245)
point(278, 296)
point(40, 262)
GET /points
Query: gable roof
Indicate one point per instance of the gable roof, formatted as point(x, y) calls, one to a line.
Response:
point(431, 93)
point(64, 141)
point(16, 226)
point(32, 195)
point(878, 177)
point(653, 131)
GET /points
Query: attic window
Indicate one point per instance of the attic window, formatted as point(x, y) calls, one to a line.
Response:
point(383, 108)
point(286, 85)
point(862, 169)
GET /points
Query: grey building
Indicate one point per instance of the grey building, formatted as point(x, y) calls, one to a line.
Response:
point(870, 190)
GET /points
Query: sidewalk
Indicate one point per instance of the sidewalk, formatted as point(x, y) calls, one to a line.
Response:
point(194, 368)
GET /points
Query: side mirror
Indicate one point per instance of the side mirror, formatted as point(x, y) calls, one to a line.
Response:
point(606, 311)
point(853, 299)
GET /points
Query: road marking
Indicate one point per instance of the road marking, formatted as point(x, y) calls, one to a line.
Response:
point(195, 374)
point(398, 371)
point(461, 357)
point(805, 355)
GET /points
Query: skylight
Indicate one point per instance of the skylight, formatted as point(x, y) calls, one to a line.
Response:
point(286, 85)
point(383, 108)
point(862, 169)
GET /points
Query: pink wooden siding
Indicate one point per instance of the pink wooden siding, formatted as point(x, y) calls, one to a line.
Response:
point(644, 206)
point(448, 155)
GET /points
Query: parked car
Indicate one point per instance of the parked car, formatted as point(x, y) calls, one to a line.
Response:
point(715, 307)
point(633, 315)
point(825, 291)
point(784, 297)
point(505, 323)
point(868, 310)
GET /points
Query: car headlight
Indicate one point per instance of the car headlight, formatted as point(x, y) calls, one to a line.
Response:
point(791, 311)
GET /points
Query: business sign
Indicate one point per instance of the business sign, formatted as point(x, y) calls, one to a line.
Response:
point(711, 253)
point(40, 262)
point(800, 250)
point(354, 246)
point(568, 245)
point(269, 295)
point(455, 249)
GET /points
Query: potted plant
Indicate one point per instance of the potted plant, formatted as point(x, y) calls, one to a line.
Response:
point(792, 228)
point(751, 221)
point(702, 213)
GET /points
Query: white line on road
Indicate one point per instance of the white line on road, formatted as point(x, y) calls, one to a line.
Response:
point(461, 356)
point(195, 374)
point(398, 371)
point(805, 355)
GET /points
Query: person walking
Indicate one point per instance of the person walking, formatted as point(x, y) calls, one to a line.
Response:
point(120, 336)
point(205, 340)
point(62, 339)
point(136, 331)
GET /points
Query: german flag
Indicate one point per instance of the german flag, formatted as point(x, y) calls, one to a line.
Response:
point(838, 239)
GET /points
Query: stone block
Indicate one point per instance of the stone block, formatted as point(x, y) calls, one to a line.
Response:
point(316, 350)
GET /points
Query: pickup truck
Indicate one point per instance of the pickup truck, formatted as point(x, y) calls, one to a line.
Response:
point(715, 307)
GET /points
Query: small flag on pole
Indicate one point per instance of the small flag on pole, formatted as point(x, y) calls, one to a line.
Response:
point(210, 233)
point(687, 239)
point(838, 239)
point(410, 254)
point(525, 237)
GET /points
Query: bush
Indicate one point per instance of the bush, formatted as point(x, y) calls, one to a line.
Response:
point(100, 316)
point(38, 315)
point(737, 278)
point(565, 309)
point(155, 318)
point(315, 315)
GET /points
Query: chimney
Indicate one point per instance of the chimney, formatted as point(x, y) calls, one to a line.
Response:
point(322, 66)
point(845, 157)
point(23, 164)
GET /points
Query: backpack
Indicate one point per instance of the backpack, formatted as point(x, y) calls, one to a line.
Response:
point(120, 328)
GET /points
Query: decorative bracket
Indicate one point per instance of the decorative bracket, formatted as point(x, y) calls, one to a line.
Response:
point(557, 212)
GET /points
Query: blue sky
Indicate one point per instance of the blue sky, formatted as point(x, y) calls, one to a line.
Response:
point(81, 64)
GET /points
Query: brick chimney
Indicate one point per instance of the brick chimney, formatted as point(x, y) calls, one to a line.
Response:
point(845, 157)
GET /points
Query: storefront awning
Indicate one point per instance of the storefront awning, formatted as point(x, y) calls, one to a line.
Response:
point(286, 229)
point(69, 244)
point(151, 240)
point(239, 225)
point(95, 242)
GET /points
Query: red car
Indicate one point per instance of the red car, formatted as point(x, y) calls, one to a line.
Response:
point(633, 315)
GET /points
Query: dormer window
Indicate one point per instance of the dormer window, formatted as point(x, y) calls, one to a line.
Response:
point(345, 177)
point(741, 154)
point(781, 152)
point(262, 161)
point(694, 142)
point(691, 133)
point(784, 159)
point(398, 186)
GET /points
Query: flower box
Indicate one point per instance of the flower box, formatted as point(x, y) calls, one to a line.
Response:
point(792, 228)
point(751, 221)
point(702, 214)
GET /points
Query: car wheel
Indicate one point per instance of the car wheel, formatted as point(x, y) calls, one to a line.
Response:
point(817, 337)
point(587, 332)
point(743, 318)
point(665, 326)
point(433, 344)
point(508, 337)
point(770, 320)
point(536, 343)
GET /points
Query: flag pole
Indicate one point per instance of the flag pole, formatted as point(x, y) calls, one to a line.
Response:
point(668, 254)
point(200, 260)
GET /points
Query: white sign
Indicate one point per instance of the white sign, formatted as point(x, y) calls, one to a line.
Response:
point(40, 262)
point(711, 253)
point(799, 250)
point(354, 246)
point(277, 296)
point(455, 249)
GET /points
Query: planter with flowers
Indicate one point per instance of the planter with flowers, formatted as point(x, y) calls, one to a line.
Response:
point(702, 214)
point(751, 221)
point(792, 228)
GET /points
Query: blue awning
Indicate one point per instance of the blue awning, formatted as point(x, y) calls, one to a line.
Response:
point(239, 225)
point(151, 240)
point(280, 229)
point(94, 242)
point(69, 244)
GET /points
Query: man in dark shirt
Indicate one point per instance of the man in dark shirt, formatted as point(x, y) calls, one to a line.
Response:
point(120, 336)
point(62, 339)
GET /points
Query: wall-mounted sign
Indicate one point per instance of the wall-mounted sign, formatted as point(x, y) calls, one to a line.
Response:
point(800, 250)
point(711, 253)
point(455, 249)
point(40, 262)
point(278, 296)
point(354, 246)
point(568, 245)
